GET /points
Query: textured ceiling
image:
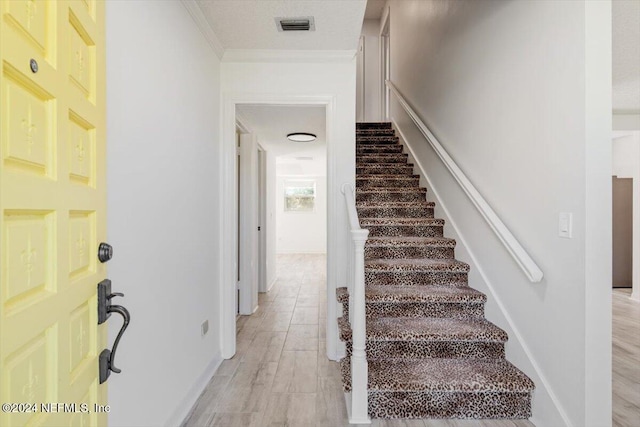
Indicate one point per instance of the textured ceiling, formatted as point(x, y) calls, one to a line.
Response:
point(626, 56)
point(272, 124)
point(250, 24)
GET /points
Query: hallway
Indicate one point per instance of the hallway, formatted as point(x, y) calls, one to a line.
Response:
point(280, 375)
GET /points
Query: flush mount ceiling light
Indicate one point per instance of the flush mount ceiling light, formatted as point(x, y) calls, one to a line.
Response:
point(301, 137)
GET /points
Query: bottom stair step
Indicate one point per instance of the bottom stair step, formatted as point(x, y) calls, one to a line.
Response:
point(445, 388)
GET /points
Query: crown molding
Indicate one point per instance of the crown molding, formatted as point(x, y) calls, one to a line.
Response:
point(282, 55)
point(203, 25)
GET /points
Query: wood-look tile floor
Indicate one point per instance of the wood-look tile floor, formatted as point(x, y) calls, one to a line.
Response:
point(280, 375)
point(626, 359)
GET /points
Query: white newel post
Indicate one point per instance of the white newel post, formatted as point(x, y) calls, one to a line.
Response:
point(359, 368)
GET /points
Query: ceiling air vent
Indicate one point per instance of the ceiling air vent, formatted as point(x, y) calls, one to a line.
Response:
point(304, 23)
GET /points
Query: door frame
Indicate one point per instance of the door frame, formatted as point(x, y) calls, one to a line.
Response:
point(385, 64)
point(248, 226)
point(262, 219)
point(228, 221)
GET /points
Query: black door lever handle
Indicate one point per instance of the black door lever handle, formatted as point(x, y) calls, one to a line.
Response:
point(122, 311)
point(105, 308)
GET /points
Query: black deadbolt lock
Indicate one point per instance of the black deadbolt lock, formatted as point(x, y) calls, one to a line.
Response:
point(105, 252)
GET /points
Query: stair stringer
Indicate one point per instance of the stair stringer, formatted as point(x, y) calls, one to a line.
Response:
point(516, 348)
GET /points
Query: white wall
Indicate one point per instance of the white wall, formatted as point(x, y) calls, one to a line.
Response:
point(372, 83)
point(163, 138)
point(330, 81)
point(509, 89)
point(302, 232)
point(626, 164)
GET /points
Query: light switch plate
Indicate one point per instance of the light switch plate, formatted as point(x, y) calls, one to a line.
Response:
point(565, 225)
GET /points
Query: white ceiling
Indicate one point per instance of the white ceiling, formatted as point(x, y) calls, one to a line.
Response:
point(250, 24)
point(272, 124)
point(374, 9)
point(626, 56)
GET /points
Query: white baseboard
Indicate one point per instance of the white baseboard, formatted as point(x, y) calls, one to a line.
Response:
point(273, 282)
point(184, 408)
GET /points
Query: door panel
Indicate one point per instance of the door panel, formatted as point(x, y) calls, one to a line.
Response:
point(53, 205)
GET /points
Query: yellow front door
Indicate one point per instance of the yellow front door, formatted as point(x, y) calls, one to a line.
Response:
point(52, 211)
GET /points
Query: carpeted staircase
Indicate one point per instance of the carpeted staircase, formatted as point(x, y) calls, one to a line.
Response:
point(431, 353)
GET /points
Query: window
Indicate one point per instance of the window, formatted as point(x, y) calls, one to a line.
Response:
point(299, 195)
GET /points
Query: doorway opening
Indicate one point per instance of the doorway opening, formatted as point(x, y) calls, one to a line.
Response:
point(281, 211)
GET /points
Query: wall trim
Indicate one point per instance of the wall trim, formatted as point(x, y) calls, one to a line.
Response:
point(183, 409)
point(281, 55)
point(480, 270)
point(203, 25)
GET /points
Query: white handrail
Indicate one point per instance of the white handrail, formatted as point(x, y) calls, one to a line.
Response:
point(358, 406)
point(519, 254)
point(349, 196)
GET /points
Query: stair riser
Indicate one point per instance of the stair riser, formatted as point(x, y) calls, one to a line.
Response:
point(373, 125)
point(392, 196)
point(367, 159)
point(421, 309)
point(378, 149)
point(380, 169)
point(387, 212)
point(398, 252)
point(387, 182)
point(375, 132)
point(415, 278)
point(431, 349)
point(405, 230)
point(377, 139)
point(478, 405)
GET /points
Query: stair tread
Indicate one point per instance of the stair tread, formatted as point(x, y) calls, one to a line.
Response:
point(416, 265)
point(373, 125)
point(411, 241)
point(433, 329)
point(367, 155)
point(380, 176)
point(385, 165)
point(370, 204)
point(364, 222)
point(384, 130)
point(405, 294)
point(370, 137)
point(376, 190)
point(447, 375)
